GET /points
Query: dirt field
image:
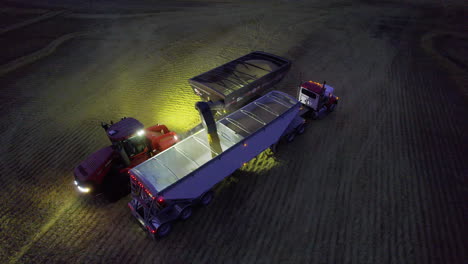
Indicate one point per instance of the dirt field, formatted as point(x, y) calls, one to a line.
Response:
point(384, 179)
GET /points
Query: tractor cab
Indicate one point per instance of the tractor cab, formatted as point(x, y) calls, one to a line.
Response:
point(128, 139)
point(317, 96)
point(132, 144)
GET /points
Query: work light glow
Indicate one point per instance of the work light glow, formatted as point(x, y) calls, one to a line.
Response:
point(83, 189)
point(140, 132)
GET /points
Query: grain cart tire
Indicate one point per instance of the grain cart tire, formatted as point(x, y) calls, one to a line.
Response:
point(206, 198)
point(164, 229)
point(186, 213)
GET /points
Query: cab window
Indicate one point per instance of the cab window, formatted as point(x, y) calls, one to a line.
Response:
point(309, 93)
point(134, 145)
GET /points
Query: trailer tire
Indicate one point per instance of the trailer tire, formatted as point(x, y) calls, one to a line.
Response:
point(291, 136)
point(274, 148)
point(186, 213)
point(301, 129)
point(164, 230)
point(207, 198)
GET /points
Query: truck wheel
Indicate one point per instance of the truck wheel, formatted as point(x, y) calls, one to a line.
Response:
point(301, 128)
point(291, 136)
point(315, 115)
point(332, 107)
point(186, 213)
point(206, 198)
point(164, 230)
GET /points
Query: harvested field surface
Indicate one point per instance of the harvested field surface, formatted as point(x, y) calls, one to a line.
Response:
point(383, 179)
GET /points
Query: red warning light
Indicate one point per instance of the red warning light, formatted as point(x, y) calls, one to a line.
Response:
point(160, 200)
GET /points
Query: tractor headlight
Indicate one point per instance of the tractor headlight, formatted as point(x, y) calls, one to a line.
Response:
point(140, 132)
point(82, 189)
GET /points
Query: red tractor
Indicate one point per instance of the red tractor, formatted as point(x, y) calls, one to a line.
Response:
point(105, 171)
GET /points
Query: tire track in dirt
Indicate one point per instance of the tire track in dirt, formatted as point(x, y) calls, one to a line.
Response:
point(28, 22)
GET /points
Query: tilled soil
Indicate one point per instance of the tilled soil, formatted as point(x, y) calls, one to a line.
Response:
point(383, 179)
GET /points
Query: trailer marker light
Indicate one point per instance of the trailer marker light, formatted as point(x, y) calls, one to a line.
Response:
point(245, 144)
point(160, 199)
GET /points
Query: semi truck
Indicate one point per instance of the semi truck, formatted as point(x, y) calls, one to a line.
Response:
point(105, 171)
point(168, 186)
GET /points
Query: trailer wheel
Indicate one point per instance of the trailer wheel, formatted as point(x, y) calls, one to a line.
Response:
point(164, 230)
point(301, 128)
point(274, 148)
point(207, 198)
point(291, 136)
point(186, 213)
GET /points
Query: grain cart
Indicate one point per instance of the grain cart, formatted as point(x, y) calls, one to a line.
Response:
point(237, 82)
point(167, 186)
point(106, 169)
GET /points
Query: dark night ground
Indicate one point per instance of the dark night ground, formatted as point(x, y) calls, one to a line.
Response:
point(381, 180)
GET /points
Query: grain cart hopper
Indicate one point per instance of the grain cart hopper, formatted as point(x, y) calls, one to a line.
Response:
point(237, 82)
point(166, 187)
point(106, 169)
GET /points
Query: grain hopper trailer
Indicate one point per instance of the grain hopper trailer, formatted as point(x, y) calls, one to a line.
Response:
point(106, 169)
point(237, 82)
point(167, 186)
